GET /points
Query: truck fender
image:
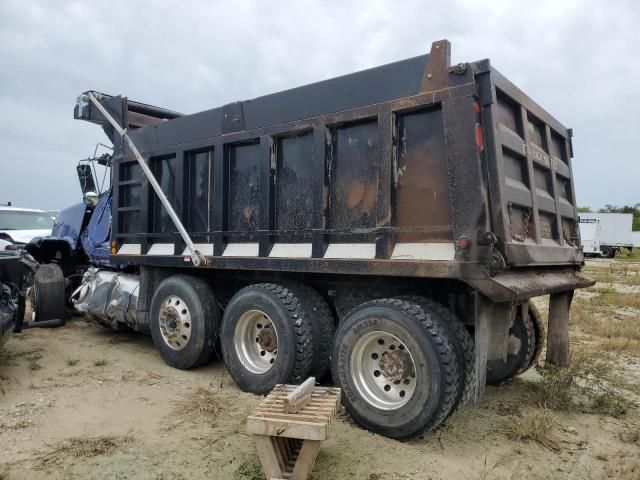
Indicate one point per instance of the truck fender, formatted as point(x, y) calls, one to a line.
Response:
point(45, 249)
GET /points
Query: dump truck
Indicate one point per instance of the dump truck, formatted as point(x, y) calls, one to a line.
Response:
point(389, 226)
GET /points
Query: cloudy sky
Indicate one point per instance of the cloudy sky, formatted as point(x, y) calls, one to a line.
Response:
point(578, 59)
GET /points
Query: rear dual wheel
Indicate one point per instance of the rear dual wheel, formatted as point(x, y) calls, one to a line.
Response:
point(462, 343)
point(397, 367)
point(275, 334)
point(525, 345)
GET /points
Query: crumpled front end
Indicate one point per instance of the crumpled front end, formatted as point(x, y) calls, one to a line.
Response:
point(108, 296)
point(9, 308)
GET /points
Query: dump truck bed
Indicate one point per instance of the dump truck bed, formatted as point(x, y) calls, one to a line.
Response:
point(415, 168)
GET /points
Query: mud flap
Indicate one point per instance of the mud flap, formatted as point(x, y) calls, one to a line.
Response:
point(558, 331)
point(493, 320)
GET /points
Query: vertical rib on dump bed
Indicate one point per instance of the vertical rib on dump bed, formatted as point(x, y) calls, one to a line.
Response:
point(415, 168)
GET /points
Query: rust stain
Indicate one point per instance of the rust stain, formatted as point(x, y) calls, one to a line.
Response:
point(362, 196)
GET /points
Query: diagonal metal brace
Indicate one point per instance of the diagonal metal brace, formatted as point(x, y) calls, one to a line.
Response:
point(197, 257)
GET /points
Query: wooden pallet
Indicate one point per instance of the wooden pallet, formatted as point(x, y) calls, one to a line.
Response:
point(289, 425)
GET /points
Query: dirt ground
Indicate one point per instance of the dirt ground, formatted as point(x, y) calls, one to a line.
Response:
point(83, 402)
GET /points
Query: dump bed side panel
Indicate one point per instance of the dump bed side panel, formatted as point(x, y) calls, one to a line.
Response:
point(354, 188)
point(377, 172)
point(531, 183)
point(411, 169)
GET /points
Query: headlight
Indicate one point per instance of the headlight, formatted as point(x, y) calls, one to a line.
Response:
point(91, 199)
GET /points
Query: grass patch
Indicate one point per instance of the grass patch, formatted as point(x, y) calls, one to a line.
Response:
point(6, 359)
point(612, 317)
point(92, 446)
point(19, 425)
point(613, 298)
point(626, 328)
point(101, 362)
point(621, 345)
point(34, 365)
point(534, 427)
point(9, 359)
point(136, 376)
point(249, 471)
point(580, 313)
point(631, 436)
point(630, 471)
point(202, 403)
point(72, 362)
point(588, 385)
point(629, 256)
point(628, 273)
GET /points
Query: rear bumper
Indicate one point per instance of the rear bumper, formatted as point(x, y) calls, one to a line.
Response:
point(540, 255)
point(522, 284)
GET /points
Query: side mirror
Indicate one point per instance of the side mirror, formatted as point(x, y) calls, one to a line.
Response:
point(91, 199)
point(85, 175)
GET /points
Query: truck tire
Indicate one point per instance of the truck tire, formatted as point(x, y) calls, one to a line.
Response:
point(538, 330)
point(462, 344)
point(349, 299)
point(323, 327)
point(607, 252)
point(396, 366)
point(267, 338)
point(530, 333)
point(185, 321)
point(50, 301)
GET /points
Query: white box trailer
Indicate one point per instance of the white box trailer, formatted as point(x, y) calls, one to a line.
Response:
point(635, 238)
point(590, 236)
point(615, 231)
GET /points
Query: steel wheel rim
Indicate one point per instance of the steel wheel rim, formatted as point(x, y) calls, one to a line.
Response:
point(175, 322)
point(256, 341)
point(383, 370)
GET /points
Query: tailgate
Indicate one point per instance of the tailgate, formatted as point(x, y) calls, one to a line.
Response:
point(530, 179)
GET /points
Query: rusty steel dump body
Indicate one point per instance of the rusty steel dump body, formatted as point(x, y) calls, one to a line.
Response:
point(413, 169)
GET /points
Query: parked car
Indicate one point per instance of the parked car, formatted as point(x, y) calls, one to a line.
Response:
point(4, 244)
point(20, 225)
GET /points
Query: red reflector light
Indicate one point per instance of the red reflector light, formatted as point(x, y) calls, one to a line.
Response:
point(464, 242)
point(476, 107)
point(479, 137)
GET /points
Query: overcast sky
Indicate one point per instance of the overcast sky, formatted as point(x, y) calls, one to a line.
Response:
point(579, 59)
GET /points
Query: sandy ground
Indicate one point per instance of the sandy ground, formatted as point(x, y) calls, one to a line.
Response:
point(83, 381)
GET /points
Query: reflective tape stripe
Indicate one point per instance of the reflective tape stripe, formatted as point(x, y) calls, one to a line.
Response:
point(130, 249)
point(241, 250)
point(424, 251)
point(162, 249)
point(351, 250)
point(364, 251)
point(291, 250)
point(205, 249)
